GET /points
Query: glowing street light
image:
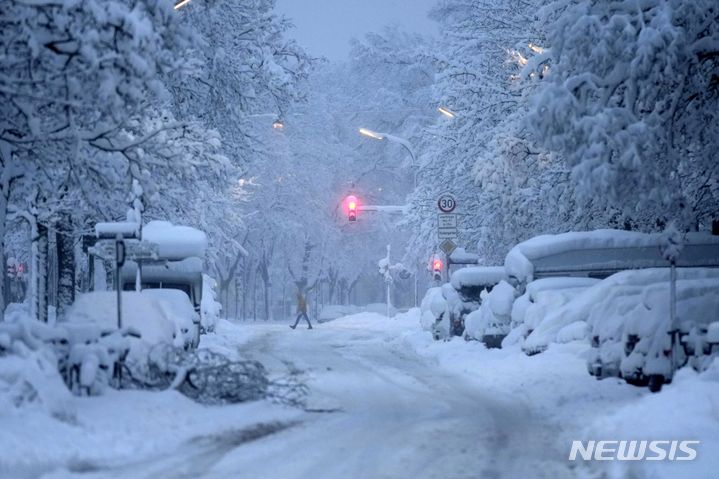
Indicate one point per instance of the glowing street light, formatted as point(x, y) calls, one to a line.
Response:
point(278, 124)
point(371, 134)
point(535, 48)
point(446, 112)
point(395, 139)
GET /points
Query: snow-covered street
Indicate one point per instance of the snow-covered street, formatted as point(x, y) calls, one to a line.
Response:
point(385, 401)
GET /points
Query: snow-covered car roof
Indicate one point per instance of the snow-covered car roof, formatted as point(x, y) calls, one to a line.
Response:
point(473, 276)
point(139, 311)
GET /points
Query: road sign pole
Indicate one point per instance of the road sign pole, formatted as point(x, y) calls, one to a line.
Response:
point(119, 261)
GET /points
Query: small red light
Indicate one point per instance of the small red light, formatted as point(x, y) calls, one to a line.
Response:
point(21, 268)
point(437, 264)
point(353, 205)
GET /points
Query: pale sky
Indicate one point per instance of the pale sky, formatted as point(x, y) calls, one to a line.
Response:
point(324, 27)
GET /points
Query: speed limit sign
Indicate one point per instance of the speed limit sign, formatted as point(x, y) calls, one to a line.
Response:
point(446, 203)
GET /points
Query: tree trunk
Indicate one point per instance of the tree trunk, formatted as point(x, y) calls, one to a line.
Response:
point(65, 267)
point(237, 297)
point(42, 273)
point(254, 298)
point(4, 195)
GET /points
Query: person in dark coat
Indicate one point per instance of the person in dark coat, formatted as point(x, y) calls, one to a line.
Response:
point(301, 311)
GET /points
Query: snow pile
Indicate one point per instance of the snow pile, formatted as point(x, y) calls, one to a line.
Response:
point(432, 306)
point(331, 312)
point(210, 308)
point(29, 376)
point(541, 299)
point(379, 308)
point(493, 318)
point(439, 307)
point(175, 242)
point(685, 410)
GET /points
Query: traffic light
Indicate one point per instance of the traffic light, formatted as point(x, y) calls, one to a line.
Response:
point(437, 269)
point(352, 205)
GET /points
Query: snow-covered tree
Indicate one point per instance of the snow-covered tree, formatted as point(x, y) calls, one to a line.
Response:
point(632, 103)
point(81, 107)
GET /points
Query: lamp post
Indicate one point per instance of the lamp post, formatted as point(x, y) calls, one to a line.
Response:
point(180, 3)
point(395, 139)
point(407, 146)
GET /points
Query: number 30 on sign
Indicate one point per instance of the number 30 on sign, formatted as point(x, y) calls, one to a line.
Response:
point(446, 203)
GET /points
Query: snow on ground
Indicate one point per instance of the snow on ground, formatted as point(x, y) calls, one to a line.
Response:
point(386, 401)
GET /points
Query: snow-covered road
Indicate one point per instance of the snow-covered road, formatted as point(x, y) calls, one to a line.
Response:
point(385, 402)
point(397, 415)
point(377, 409)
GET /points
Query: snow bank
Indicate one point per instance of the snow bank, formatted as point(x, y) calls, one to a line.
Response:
point(175, 242)
point(380, 308)
point(684, 410)
point(331, 312)
point(432, 306)
point(29, 377)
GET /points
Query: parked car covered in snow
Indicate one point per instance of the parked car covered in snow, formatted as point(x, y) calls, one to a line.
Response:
point(629, 323)
point(491, 322)
point(177, 306)
point(445, 308)
point(542, 300)
point(601, 253)
point(143, 313)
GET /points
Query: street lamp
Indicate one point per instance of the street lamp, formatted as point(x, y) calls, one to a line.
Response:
point(181, 3)
point(446, 112)
point(407, 146)
point(385, 136)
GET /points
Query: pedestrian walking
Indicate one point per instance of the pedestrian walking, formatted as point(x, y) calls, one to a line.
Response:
point(301, 311)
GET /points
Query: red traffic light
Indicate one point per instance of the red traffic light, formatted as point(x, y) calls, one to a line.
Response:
point(437, 265)
point(352, 204)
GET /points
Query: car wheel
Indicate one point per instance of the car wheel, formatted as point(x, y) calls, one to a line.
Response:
point(656, 381)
